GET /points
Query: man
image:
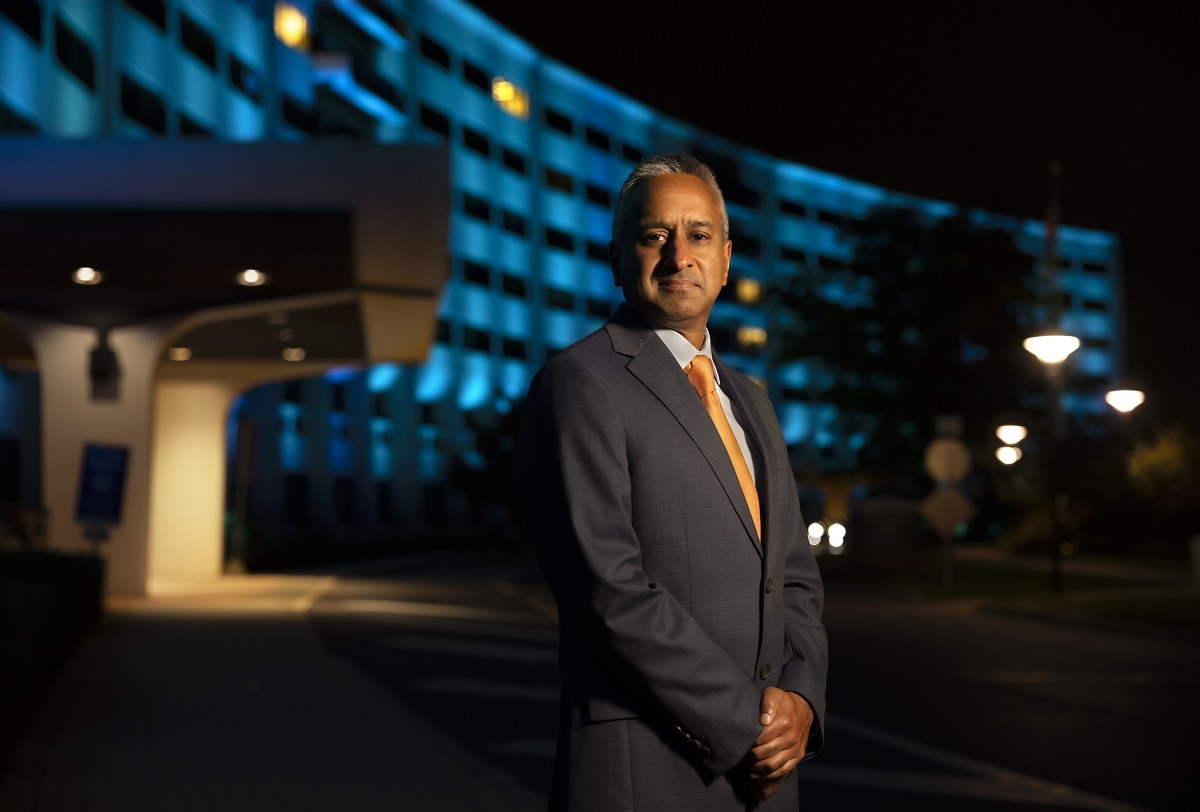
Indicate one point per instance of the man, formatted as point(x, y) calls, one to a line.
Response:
point(691, 649)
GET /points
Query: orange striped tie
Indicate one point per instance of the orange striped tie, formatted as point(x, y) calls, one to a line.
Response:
point(700, 373)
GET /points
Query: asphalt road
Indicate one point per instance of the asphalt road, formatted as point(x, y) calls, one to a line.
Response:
point(932, 706)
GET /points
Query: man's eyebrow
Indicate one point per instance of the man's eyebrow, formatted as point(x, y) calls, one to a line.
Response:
point(697, 223)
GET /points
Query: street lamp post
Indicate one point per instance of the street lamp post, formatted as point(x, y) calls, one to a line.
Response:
point(1052, 350)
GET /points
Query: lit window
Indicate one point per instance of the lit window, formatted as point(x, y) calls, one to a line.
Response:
point(749, 291)
point(291, 26)
point(511, 98)
point(751, 337)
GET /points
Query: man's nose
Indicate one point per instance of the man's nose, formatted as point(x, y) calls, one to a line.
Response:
point(679, 253)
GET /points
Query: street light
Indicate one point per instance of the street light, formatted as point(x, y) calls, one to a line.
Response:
point(1052, 349)
point(1124, 400)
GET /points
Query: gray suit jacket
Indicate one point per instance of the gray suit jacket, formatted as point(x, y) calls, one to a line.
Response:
point(673, 618)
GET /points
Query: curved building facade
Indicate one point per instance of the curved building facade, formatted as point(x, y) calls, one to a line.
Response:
point(536, 154)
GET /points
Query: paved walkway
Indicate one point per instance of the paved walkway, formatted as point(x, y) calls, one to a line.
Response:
point(215, 695)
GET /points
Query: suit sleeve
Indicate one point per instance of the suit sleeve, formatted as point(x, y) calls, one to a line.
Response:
point(575, 485)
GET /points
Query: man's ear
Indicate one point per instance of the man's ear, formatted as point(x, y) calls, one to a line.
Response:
point(614, 262)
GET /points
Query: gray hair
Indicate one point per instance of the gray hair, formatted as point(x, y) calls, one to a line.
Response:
point(666, 165)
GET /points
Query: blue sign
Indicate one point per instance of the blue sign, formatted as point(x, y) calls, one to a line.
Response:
point(102, 484)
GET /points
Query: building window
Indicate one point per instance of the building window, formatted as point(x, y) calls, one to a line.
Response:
point(153, 10)
point(13, 123)
point(343, 499)
point(790, 254)
point(433, 51)
point(244, 78)
point(477, 207)
point(476, 142)
point(560, 299)
point(513, 285)
point(295, 499)
point(513, 222)
point(794, 209)
point(1094, 306)
point(197, 41)
point(434, 121)
point(830, 263)
point(631, 154)
point(474, 339)
point(475, 75)
point(190, 128)
point(1093, 267)
point(1095, 343)
point(337, 397)
point(477, 273)
point(513, 348)
point(513, 160)
point(601, 197)
point(379, 404)
point(830, 218)
point(559, 239)
point(26, 15)
point(744, 244)
point(297, 115)
point(597, 250)
point(293, 392)
point(596, 138)
point(558, 180)
point(140, 105)
point(74, 54)
point(443, 333)
point(557, 121)
point(598, 307)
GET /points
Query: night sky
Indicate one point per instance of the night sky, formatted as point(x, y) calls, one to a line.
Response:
point(961, 101)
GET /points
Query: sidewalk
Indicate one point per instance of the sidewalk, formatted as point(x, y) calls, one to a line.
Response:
point(215, 695)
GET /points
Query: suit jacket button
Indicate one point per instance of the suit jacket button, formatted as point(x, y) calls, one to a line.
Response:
point(770, 585)
point(705, 751)
point(765, 671)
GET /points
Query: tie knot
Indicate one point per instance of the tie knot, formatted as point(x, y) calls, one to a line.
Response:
point(700, 373)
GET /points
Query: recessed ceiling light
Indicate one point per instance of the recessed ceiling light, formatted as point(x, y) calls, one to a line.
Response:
point(179, 353)
point(293, 353)
point(252, 278)
point(86, 276)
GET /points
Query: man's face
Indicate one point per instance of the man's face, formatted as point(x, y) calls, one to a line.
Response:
point(671, 260)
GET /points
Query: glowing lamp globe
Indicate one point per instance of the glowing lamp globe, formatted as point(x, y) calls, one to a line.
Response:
point(1052, 349)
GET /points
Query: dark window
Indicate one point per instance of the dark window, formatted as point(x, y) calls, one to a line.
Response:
point(477, 207)
point(74, 54)
point(428, 414)
point(595, 138)
point(740, 194)
point(560, 299)
point(513, 285)
point(191, 128)
point(1095, 343)
point(476, 141)
point(379, 404)
point(244, 78)
point(513, 160)
point(794, 209)
point(14, 123)
point(297, 115)
point(597, 250)
point(830, 218)
point(140, 105)
point(792, 254)
point(476, 75)
point(337, 397)
point(746, 245)
point(558, 180)
point(383, 502)
point(197, 40)
point(632, 154)
point(557, 121)
point(26, 14)
point(295, 498)
point(559, 239)
point(476, 339)
point(476, 272)
point(795, 393)
point(435, 52)
point(830, 263)
point(444, 334)
point(513, 348)
point(343, 499)
point(598, 196)
point(1093, 267)
point(513, 222)
point(1091, 304)
point(293, 391)
point(434, 121)
point(598, 307)
point(153, 10)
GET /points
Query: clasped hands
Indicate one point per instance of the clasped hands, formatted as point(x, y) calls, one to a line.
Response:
point(786, 719)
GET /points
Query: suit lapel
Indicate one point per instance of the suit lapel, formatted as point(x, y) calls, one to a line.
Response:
point(656, 368)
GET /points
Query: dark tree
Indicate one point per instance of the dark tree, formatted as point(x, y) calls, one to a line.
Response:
point(926, 319)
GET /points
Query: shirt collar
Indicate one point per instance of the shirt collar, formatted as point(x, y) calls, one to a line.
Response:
point(682, 349)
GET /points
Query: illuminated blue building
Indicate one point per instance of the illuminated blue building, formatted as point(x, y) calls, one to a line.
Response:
point(537, 151)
